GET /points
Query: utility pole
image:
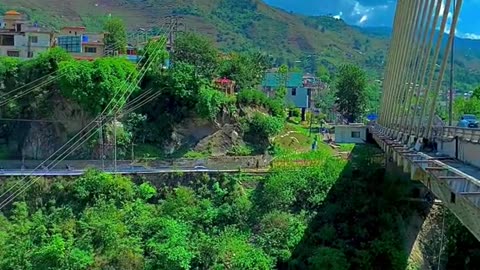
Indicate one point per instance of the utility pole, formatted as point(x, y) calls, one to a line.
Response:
point(173, 24)
point(102, 148)
point(115, 143)
point(450, 101)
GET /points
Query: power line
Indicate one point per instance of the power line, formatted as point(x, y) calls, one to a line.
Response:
point(47, 80)
point(84, 137)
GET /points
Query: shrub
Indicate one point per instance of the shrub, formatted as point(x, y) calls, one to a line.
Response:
point(253, 97)
point(211, 101)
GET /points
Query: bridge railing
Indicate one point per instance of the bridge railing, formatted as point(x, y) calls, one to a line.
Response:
point(466, 134)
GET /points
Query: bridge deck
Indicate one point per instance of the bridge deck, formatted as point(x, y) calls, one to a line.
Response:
point(452, 181)
point(465, 168)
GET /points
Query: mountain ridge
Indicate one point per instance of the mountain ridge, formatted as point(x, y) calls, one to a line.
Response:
point(244, 25)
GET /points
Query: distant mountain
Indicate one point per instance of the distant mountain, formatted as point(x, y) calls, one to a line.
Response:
point(245, 25)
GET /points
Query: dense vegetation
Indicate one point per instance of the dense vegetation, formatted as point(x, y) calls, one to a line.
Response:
point(107, 222)
point(245, 25)
point(85, 89)
point(468, 106)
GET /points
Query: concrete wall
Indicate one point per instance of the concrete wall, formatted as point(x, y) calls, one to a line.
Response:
point(344, 133)
point(21, 44)
point(300, 99)
point(467, 152)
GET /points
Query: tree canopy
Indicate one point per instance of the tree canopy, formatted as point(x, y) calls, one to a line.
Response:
point(94, 84)
point(246, 69)
point(351, 92)
point(197, 51)
point(116, 35)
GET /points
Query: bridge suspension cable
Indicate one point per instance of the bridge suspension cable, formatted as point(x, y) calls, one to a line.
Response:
point(414, 73)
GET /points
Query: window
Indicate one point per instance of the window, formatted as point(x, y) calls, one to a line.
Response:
point(355, 134)
point(90, 49)
point(7, 40)
point(71, 44)
point(13, 53)
point(33, 39)
point(294, 91)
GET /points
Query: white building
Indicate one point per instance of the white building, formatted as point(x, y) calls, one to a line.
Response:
point(20, 39)
point(353, 133)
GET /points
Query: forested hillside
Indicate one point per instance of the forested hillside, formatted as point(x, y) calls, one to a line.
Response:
point(247, 24)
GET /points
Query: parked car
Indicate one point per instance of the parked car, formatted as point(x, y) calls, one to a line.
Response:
point(469, 120)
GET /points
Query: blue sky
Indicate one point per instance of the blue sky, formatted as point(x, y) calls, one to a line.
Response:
point(376, 12)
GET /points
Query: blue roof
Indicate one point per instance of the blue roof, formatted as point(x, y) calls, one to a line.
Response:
point(294, 79)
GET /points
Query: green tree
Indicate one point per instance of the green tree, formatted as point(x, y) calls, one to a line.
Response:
point(197, 51)
point(373, 93)
point(44, 64)
point(246, 69)
point(94, 84)
point(135, 124)
point(261, 128)
point(211, 102)
point(476, 93)
point(466, 106)
point(9, 74)
point(323, 74)
point(329, 258)
point(154, 55)
point(116, 35)
point(234, 251)
point(325, 101)
point(351, 92)
point(169, 248)
point(282, 78)
point(280, 233)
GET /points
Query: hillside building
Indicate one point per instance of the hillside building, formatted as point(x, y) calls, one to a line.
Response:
point(225, 85)
point(19, 38)
point(81, 44)
point(297, 94)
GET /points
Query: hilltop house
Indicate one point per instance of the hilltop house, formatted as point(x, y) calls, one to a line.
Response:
point(80, 44)
point(19, 38)
point(297, 94)
point(225, 85)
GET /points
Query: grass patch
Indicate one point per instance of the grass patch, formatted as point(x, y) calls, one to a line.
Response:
point(347, 147)
point(296, 138)
point(241, 151)
point(196, 155)
point(148, 151)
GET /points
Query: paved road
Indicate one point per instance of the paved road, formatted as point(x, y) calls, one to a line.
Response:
point(135, 170)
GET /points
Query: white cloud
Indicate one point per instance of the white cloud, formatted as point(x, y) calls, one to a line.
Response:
point(468, 35)
point(338, 16)
point(363, 19)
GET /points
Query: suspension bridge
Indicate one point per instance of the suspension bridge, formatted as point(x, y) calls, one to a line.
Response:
point(444, 158)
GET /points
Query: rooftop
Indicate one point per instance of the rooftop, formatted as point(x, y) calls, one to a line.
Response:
point(294, 79)
point(12, 13)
